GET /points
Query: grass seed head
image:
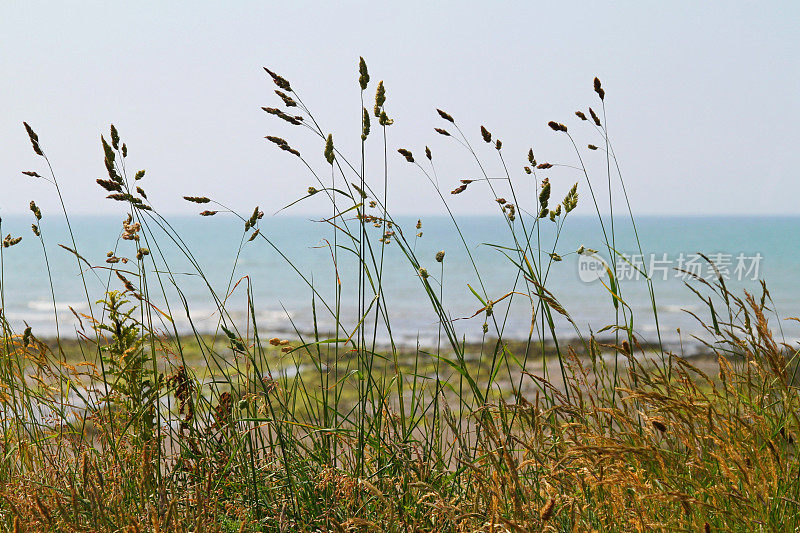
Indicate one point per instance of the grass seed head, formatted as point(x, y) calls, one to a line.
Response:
point(363, 74)
point(544, 194)
point(446, 116)
point(380, 97)
point(595, 118)
point(294, 120)
point(10, 241)
point(364, 124)
point(384, 119)
point(599, 89)
point(329, 155)
point(288, 101)
point(35, 210)
point(197, 199)
point(487, 136)
point(34, 139)
point(280, 81)
point(114, 137)
point(407, 154)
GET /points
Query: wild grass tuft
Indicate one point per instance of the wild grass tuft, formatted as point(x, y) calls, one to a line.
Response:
point(135, 425)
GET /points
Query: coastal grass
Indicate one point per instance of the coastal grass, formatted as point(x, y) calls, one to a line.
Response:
point(135, 425)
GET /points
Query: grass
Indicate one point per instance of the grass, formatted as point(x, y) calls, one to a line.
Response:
point(136, 426)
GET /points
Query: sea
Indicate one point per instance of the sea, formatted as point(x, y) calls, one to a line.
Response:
point(284, 282)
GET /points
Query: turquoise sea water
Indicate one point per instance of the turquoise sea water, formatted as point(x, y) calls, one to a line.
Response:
point(766, 247)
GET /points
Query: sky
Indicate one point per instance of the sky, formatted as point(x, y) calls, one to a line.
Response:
point(701, 99)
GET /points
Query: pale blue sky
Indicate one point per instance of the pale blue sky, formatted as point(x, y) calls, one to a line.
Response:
point(702, 96)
